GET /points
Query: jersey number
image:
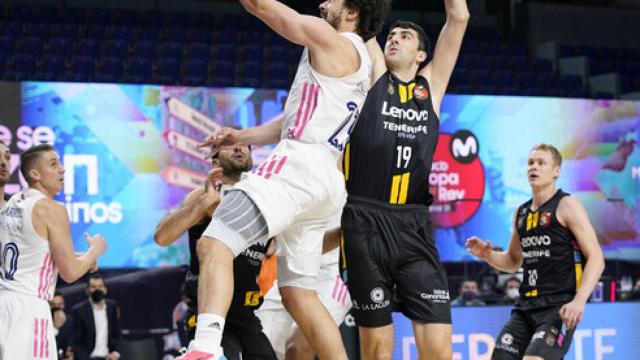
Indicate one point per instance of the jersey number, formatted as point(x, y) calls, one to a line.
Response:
point(9, 261)
point(404, 155)
point(533, 277)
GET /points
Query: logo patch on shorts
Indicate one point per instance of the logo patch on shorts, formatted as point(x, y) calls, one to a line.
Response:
point(507, 339)
point(377, 295)
point(552, 334)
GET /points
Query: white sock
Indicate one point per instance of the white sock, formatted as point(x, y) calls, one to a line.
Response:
point(209, 333)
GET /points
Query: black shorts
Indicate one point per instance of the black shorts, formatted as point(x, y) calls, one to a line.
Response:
point(389, 252)
point(534, 332)
point(241, 339)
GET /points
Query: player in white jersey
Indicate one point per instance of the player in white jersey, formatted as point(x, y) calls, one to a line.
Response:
point(283, 333)
point(36, 244)
point(299, 185)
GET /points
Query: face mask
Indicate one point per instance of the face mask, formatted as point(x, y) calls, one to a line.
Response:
point(468, 295)
point(97, 296)
point(513, 293)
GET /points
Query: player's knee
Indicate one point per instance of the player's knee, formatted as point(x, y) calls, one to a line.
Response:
point(292, 298)
point(208, 248)
point(380, 353)
point(443, 354)
point(299, 351)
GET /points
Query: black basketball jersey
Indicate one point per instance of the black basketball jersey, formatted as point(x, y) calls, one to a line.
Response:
point(552, 260)
point(246, 268)
point(391, 148)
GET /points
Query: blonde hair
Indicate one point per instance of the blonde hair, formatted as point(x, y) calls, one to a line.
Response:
point(555, 153)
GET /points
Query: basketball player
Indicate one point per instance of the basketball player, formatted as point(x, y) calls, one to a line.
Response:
point(5, 171)
point(243, 336)
point(299, 186)
point(283, 333)
point(389, 245)
point(36, 244)
point(551, 236)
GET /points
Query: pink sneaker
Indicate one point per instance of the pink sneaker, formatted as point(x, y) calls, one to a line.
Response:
point(200, 355)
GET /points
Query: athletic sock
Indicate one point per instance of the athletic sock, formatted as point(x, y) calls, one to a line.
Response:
point(209, 333)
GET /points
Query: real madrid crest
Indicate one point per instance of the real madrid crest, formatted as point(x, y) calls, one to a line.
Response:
point(391, 89)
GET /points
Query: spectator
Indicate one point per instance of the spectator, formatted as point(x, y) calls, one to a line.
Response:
point(62, 327)
point(96, 324)
point(468, 295)
point(511, 291)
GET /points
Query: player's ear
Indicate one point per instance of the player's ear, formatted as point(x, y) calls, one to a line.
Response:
point(215, 162)
point(421, 57)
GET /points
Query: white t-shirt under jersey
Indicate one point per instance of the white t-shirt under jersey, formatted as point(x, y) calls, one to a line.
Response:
point(27, 265)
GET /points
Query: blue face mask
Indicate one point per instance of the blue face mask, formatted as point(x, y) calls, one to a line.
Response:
point(468, 295)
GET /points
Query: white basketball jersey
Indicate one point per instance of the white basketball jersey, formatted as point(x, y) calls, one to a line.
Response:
point(26, 264)
point(321, 109)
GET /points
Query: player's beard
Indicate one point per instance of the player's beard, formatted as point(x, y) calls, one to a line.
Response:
point(332, 19)
point(233, 168)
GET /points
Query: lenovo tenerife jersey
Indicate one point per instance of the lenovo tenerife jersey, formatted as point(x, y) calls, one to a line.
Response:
point(392, 145)
point(26, 264)
point(552, 260)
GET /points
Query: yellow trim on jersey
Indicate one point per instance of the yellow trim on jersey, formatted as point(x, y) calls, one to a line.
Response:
point(399, 188)
point(347, 157)
point(406, 93)
point(402, 91)
point(578, 275)
point(532, 293)
point(532, 220)
point(404, 188)
point(395, 189)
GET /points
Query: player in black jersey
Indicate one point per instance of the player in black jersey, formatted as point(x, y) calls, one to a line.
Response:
point(551, 237)
point(388, 246)
point(242, 337)
point(5, 173)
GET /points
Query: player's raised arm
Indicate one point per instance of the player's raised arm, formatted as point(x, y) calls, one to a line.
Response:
point(379, 67)
point(331, 54)
point(446, 51)
point(309, 31)
point(51, 221)
point(507, 261)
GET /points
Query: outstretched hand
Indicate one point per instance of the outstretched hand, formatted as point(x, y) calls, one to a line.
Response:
point(97, 243)
point(478, 247)
point(220, 137)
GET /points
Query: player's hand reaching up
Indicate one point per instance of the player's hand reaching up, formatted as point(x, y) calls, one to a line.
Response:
point(220, 137)
point(97, 243)
point(478, 247)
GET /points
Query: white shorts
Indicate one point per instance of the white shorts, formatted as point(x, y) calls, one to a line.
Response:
point(296, 189)
point(26, 330)
point(278, 325)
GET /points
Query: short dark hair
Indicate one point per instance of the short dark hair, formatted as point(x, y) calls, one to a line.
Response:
point(424, 44)
point(29, 158)
point(94, 276)
point(57, 293)
point(372, 14)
